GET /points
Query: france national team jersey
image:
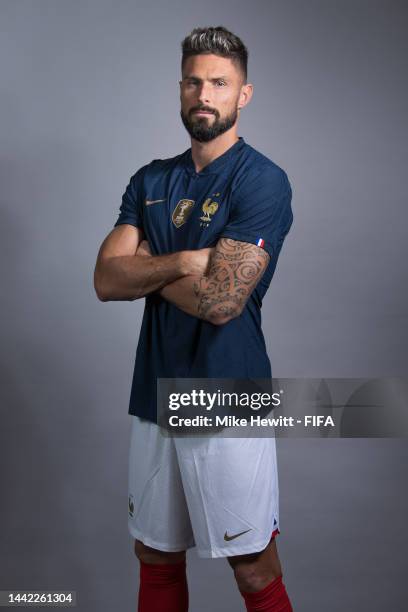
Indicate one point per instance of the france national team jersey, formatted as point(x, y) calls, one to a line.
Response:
point(241, 195)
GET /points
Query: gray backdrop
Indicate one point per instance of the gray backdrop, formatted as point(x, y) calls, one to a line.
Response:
point(89, 93)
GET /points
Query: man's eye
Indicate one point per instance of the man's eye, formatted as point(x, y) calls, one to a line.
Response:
point(221, 83)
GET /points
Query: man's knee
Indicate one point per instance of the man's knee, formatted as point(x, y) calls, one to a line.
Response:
point(152, 555)
point(254, 571)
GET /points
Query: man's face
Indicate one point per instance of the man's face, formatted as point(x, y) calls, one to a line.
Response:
point(210, 92)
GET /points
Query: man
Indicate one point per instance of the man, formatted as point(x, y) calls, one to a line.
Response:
point(199, 236)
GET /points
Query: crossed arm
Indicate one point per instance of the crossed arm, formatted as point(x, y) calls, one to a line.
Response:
point(211, 284)
point(124, 272)
point(219, 296)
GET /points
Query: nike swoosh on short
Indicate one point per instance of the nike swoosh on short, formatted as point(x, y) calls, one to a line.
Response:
point(228, 538)
point(148, 202)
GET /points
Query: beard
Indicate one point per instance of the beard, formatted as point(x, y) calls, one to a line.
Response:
point(200, 129)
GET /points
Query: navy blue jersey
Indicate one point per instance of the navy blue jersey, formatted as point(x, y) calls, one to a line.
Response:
point(241, 195)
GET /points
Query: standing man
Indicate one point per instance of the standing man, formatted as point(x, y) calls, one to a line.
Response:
point(199, 236)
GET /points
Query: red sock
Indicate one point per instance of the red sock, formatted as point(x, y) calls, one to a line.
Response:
point(163, 587)
point(273, 598)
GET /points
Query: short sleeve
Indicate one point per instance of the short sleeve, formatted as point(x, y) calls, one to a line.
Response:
point(131, 209)
point(261, 212)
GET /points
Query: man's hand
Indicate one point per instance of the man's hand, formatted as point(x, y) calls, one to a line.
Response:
point(194, 262)
point(199, 261)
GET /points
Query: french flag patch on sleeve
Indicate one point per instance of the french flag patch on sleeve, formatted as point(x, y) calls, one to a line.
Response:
point(260, 243)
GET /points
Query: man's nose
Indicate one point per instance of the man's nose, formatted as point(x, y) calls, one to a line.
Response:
point(204, 93)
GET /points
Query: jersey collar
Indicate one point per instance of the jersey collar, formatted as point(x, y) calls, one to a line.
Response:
point(217, 163)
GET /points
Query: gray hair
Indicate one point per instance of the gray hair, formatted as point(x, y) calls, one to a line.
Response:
point(218, 41)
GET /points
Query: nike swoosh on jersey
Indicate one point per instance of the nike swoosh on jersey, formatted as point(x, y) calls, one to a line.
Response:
point(228, 538)
point(149, 202)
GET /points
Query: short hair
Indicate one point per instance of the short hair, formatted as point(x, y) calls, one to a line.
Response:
point(218, 41)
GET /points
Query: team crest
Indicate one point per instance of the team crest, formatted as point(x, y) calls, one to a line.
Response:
point(131, 506)
point(209, 208)
point(182, 212)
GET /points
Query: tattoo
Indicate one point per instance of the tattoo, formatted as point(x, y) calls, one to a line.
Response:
point(235, 269)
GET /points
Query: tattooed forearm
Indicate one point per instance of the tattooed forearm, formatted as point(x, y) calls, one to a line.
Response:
point(236, 268)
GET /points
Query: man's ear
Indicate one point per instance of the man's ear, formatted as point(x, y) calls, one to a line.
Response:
point(245, 95)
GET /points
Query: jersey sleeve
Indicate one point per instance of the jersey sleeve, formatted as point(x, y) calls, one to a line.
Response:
point(261, 212)
point(131, 209)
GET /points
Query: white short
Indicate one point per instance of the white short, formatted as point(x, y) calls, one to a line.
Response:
point(217, 493)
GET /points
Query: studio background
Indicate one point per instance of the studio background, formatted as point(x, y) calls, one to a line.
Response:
point(89, 93)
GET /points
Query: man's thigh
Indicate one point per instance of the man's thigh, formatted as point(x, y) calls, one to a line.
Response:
point(158, 514)
point(231, 488)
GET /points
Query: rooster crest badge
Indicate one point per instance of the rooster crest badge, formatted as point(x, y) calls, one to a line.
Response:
point(209, 208)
